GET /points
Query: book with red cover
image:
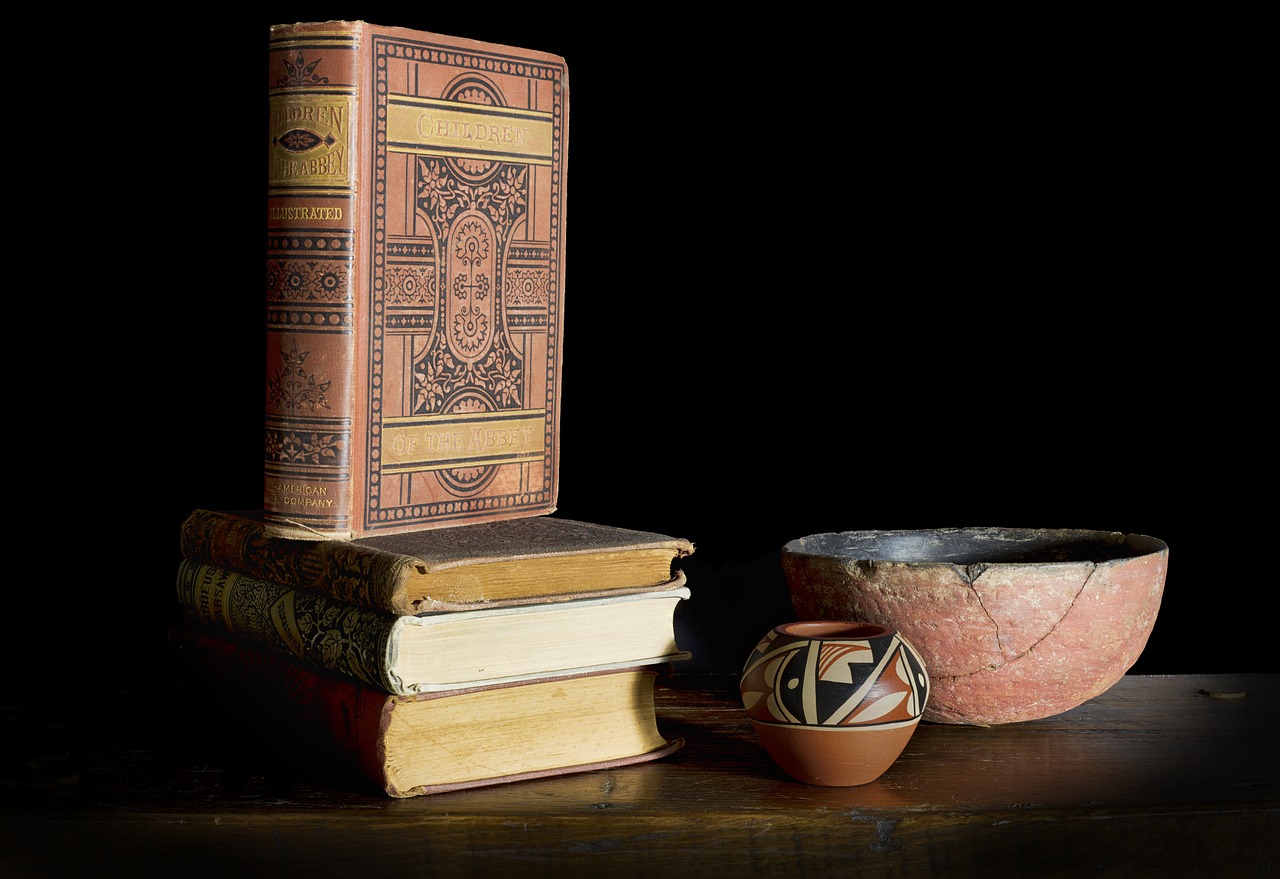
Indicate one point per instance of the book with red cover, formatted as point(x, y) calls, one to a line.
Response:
point(415, 226)
point(337, 731)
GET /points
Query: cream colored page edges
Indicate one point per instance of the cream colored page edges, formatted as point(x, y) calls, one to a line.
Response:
point(499, 644)
point(489, 733)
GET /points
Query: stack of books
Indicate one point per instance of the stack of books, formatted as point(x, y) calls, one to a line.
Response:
point(406, 603)
point(437, 659)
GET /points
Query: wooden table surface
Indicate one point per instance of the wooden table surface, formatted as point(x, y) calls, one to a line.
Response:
point(1161, 776)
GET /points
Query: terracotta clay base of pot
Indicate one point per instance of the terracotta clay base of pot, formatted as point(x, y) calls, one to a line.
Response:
point(835, 756)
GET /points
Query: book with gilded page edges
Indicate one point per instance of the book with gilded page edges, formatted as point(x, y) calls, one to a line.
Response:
point(415, 250)
point(335, 731)
point(490, 564)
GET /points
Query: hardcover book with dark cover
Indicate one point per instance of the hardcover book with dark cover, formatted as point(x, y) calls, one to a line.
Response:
point(415, 235)
point(491, 564)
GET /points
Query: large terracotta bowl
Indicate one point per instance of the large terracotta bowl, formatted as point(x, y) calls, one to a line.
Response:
point(1013, 624)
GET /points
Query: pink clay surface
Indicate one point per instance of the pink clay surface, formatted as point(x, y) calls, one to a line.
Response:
point(1016, 642)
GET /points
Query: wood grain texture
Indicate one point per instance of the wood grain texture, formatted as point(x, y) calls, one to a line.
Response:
point(1154, 777)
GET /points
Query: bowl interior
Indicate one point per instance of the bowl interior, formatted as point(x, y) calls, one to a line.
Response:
point(967, 546)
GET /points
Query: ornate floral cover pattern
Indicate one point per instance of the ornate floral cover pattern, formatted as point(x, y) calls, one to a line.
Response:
point(414, 280)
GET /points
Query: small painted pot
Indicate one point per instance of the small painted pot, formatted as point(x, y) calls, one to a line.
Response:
point(834, 703)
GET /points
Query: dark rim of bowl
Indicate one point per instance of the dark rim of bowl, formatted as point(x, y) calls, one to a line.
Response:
point(968, 546)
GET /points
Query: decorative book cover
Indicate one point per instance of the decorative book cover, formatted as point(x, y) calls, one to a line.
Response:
point(488, 564)
point(340, 731)
point(414, 283)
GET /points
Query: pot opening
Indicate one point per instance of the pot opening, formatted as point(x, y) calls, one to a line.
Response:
point(833, 630)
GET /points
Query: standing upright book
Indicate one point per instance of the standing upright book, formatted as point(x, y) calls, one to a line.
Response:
point(491, 564)
point(415, 226)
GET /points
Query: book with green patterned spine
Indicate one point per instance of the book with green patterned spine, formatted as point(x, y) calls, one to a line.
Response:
point(415, 222)
point(407, 654)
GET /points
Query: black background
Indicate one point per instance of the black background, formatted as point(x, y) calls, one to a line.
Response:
point(882, 275)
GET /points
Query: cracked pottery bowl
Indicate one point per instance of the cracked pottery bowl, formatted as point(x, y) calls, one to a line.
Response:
point(1013, 624)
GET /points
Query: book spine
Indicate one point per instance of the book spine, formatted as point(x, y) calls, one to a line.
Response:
point(312, 280)
point(311, 627)
point(351, 572)
point(293, 714)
